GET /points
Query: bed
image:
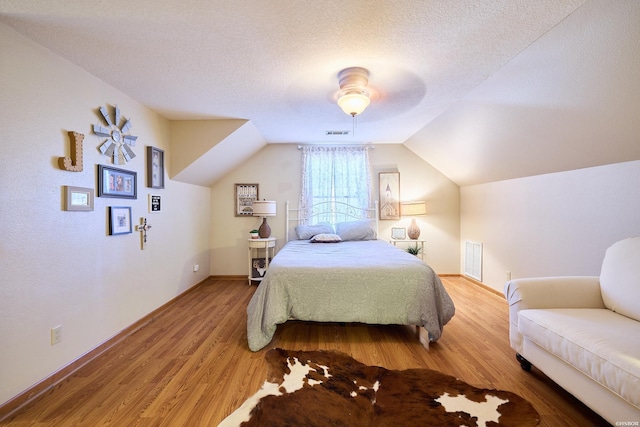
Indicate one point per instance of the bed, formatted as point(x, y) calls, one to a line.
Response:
point(357, 278)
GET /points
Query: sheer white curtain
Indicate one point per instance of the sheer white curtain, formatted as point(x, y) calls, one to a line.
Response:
point(331, 174)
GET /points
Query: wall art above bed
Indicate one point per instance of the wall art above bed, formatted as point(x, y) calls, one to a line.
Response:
point(389, 185)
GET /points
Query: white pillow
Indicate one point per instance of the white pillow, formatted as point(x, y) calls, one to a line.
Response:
point(355, 230)
point(326, 238)
point(305, 232)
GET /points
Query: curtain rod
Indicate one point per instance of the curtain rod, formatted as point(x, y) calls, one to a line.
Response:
point(367, 146)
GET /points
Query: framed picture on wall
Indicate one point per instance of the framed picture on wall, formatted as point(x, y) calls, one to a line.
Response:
point(119, 220)
point(389, 186)
point(155, 203)
point(78, 198)
point(245, 195)
point(113, 182)
point(155, 167)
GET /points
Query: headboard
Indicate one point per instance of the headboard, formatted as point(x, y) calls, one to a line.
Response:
point(338, 211)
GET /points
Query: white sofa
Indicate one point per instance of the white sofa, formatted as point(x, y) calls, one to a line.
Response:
point(583, 332)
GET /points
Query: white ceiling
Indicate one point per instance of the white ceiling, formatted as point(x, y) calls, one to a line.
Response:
point(482, 90)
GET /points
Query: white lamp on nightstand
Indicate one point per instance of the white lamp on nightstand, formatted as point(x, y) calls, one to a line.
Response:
point(414, 208)
point(264, 208)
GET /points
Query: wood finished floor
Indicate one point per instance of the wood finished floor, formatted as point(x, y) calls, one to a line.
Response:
point(190, 366)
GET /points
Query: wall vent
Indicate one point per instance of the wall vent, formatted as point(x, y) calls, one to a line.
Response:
point(473, 260)
point(337, 132)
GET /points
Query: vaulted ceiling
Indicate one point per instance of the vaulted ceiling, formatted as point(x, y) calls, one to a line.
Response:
point(483, 90)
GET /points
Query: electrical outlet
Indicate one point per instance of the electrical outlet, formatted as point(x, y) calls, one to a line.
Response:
point(508, 275)
point(196, 267)
point(56, 334)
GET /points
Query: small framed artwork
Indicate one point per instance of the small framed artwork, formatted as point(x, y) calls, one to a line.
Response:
point(155, 167)
point(398, 233)
point(78, 198)
point(113, 182)
point(389, 195)
point(119, 220)
point(155, 203)
point(245, 194)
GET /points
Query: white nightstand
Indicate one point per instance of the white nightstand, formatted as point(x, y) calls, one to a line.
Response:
point(260, 253)
point(413, 243)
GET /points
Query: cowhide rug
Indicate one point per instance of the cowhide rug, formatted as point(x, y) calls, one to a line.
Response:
point(328, 388)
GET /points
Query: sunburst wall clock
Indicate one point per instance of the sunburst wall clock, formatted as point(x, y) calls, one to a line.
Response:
point(118, 142)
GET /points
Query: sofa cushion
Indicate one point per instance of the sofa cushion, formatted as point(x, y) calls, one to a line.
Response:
point(598, 342)
point(620, 277)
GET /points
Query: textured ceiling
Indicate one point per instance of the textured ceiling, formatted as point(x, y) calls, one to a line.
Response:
point(443, 73)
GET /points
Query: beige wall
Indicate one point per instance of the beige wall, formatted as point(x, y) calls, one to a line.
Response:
point(554, 224)
point(276, 168)
point(61, 268)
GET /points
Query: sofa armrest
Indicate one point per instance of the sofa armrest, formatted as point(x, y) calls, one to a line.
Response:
point(549, 292)
point(554, 292)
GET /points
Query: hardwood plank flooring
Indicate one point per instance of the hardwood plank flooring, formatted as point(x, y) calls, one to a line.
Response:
point(190, 365)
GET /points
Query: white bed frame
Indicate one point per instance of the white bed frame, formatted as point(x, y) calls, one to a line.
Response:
point(299, 216)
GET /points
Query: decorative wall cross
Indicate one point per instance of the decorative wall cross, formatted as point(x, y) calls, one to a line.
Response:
point(142, 228)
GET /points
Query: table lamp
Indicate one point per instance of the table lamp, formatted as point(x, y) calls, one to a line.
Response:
point(414, 208)
point(264, 208)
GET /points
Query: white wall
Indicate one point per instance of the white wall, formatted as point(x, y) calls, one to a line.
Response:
point(59, 267)
point(276, 168)
point(554, 224)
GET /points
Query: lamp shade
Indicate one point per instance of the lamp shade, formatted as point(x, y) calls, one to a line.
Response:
point(353, 103)
point(353, 96)
point(264, 208)
point(414, 208)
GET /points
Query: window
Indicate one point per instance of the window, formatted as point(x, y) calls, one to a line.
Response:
point(335, 174)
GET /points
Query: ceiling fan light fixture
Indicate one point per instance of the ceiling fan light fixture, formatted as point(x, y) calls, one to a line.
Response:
point(353, 103)
point(354, 97)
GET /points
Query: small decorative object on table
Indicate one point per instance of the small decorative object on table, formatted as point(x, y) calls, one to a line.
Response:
point(398, 233)
point(253, 234)
point(414, 250)
point(415, 247)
